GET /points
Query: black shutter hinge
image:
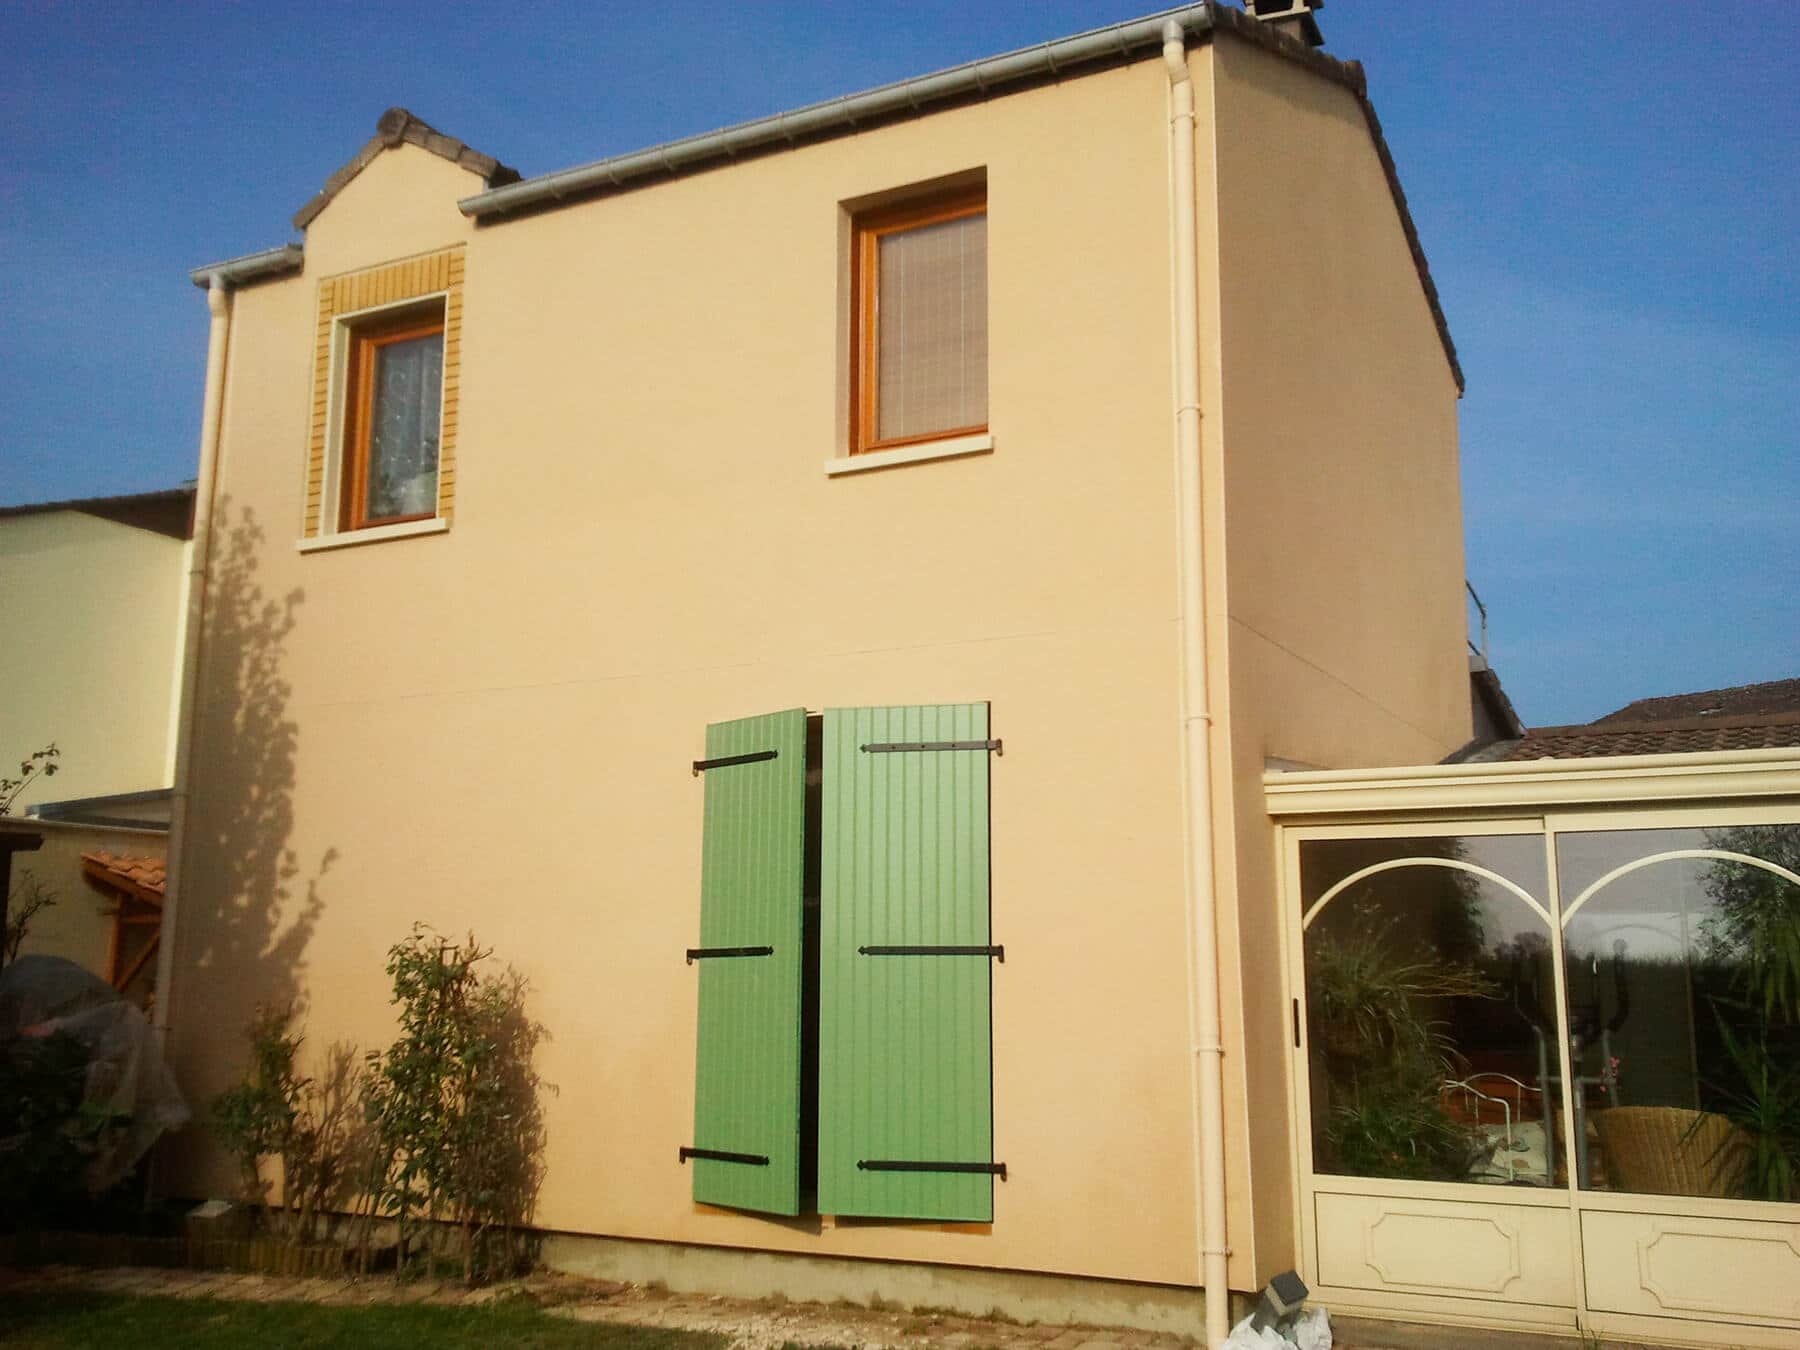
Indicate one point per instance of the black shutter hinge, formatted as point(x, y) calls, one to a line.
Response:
point(724, 761)
point(706, 953)
point(893, 1165)
point(998, 953)
point(896, 747)
point(717, 1155)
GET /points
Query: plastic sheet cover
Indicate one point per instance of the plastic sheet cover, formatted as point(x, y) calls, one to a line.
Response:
point(125, 1076)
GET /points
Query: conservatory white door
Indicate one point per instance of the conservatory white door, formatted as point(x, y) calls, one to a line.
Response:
point(1547, 1070)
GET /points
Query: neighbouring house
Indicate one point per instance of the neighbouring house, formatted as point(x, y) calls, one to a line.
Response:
point(1745, 717)
point(821, 599)
point(92, 612)
point(91, 893)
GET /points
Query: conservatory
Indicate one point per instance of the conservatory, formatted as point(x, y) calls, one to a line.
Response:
point(1545, 1041)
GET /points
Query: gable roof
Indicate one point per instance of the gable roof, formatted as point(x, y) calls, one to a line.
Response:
point(1773, 697)
point(1744, 717)
point(398, 127)
point(169, 511)
point(917, 96)
point(974, 81)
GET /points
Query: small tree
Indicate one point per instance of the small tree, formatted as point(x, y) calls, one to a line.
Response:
point(275, 1112)
point(255, 1116)
point(453, 1104)
point(38, 764)
point(29, 898)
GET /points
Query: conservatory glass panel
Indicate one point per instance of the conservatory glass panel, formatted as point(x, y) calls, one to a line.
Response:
point(1682, 951)
point(1431, 1019)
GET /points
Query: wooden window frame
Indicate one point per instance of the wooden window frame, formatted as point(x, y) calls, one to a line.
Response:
point(868, 229)
point(365, 342)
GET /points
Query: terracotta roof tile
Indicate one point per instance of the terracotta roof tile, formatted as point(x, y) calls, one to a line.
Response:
point(1670, 736)
point(128, 872)
point(1771, 697)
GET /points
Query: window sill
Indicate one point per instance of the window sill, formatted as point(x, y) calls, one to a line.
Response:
point(953, 447)
point(374, 534)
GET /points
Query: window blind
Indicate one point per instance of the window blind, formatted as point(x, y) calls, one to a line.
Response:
point(931, 326)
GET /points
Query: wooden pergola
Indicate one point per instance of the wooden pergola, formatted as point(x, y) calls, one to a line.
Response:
point(136, 887)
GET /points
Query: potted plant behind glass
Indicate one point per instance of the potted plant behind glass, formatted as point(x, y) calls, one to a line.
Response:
point(1753, 940)
point(1386, 1056)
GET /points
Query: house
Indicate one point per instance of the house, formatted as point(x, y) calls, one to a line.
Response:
point(92, 611)
point(1745, 717)
point(819, 598)
point(92, 608)
point(90, 893)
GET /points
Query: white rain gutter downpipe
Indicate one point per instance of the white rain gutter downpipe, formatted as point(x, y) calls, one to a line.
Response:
point(1196, 720)
point(218, 301)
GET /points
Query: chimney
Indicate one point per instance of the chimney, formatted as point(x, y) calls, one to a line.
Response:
point(1292, 17)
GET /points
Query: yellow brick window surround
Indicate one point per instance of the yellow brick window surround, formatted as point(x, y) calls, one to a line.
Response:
point(358, 311)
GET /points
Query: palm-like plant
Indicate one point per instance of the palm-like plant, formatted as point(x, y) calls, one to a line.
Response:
point(1387, 1057)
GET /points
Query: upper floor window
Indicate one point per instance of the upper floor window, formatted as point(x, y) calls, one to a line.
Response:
point(393, 419)
point(919, 322)
point(387, 377)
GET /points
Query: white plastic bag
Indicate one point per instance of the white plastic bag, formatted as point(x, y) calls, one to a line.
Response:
point(1310, 1330)
point(1246, 1337)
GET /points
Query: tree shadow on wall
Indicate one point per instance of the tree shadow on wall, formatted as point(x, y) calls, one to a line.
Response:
point(248, 907)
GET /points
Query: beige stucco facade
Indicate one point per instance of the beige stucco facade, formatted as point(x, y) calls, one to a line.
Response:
point(91, 609)
point(1337, 493)
point(490, 728)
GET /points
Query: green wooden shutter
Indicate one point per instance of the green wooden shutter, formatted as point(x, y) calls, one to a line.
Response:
point(747, 1080)
point(905, 1056)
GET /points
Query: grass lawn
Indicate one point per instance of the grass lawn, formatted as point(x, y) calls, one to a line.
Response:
point(78, 1321)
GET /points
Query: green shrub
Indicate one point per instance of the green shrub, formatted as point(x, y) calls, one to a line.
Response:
point(453, 1107)
point(48, 1136)
point(311, 1126)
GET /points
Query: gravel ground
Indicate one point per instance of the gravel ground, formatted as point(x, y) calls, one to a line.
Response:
point(771, 1324)
point(767, 1324)
point(760, 1325)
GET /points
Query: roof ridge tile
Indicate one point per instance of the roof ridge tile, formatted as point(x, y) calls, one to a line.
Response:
point(396, 127)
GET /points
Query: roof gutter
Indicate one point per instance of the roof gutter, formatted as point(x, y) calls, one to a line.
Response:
point(976, 79)
point(234, 272)
point(841, 116)
point(1536, 784)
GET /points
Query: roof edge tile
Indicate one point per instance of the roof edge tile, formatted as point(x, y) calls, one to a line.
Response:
point(397, 127)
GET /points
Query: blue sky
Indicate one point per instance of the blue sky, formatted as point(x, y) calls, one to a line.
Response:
point(1608, 197)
